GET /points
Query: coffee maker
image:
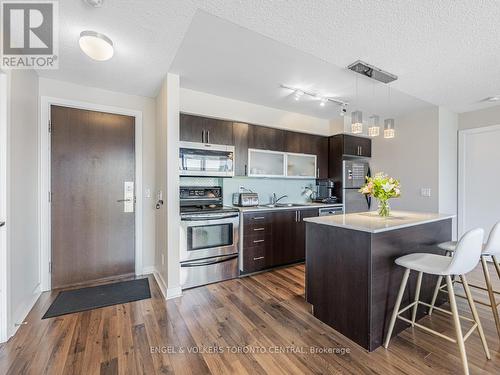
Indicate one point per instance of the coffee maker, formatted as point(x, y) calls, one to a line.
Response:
point(325, 192)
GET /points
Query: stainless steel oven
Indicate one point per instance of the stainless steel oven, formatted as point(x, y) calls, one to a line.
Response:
point(210, 234)
point(209, 237)
point(202, 159)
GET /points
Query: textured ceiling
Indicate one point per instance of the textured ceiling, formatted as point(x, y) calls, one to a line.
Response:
point(445, 52)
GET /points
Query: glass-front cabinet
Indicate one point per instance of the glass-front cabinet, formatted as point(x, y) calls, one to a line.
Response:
point(263, 163)
point(301, 165)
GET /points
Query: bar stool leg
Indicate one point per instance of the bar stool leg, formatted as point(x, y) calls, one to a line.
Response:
point(491, 295)
point(458, 329)
point(396, 307)
point(417, 295)
point(475, 315)
point(436, 292)
point(497, 266)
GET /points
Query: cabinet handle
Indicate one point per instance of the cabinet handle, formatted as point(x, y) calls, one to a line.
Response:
point(317, 173)
point(360, 150)
point(208, 136)
point(258, 218)
point(296, 216)
point(246, 173)
point(298, 212)
point(203, 136)
point(258, 241)
point(257, 229)
point(258, 258)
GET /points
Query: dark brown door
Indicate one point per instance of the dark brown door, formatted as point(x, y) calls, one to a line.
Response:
point(299, 253)
point(92, 156)
point(218, 132)
point(284, 225)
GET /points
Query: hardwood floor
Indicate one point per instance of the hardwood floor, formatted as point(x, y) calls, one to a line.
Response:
point(256, 325)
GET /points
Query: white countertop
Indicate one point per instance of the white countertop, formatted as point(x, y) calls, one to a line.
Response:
point(305, 205)
point(371, 222)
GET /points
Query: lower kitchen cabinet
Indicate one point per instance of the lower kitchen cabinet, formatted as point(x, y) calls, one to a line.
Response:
point(274, 238)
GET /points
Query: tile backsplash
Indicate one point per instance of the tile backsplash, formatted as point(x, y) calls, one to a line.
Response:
point(265, 187)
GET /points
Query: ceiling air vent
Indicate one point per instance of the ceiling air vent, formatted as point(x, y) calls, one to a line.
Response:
point(372, 72)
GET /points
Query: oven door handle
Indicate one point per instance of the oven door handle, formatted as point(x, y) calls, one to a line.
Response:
point(204, 218)
point(209, 263)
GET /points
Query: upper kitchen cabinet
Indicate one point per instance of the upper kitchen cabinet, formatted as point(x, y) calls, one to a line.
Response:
point(351, 145)
point(205, 130)
point(240, 137)
point(309, 144)
point(264, 138)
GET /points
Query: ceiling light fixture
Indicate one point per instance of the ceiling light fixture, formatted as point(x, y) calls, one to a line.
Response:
point(96, 46)
point(491, 99)
point(94, 3)
point(357, 116)
point(374, 128)
point(298, 94)
point(323, 100)
point(389, 131)
point(357, 122)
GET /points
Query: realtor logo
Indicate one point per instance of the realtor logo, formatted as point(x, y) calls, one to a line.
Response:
point(30, 34)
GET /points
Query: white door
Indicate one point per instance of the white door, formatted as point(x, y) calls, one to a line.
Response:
point(479, 179)
point(3, 207)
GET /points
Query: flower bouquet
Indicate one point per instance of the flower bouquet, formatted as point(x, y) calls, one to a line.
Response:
point(382, 188)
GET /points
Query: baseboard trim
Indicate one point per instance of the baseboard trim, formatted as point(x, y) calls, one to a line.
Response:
point(148, 270)
point(168, 293)
point(12, 329)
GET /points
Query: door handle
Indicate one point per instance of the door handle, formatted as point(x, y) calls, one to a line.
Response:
point(124, 200)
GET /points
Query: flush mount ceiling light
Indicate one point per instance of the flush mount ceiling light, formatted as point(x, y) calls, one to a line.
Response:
point(96, 46)
point(357, 122)
point(372, 72)
point(299, 93)
point(374, 128)
point(389, 131)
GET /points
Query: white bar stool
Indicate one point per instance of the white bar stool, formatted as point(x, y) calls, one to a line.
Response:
point(490, 249)
point(465, 259)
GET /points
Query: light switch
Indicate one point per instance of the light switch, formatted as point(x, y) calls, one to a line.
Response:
point(128, 196)
point(425, 192)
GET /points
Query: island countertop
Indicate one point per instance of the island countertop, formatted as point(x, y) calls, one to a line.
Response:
point(371, 222)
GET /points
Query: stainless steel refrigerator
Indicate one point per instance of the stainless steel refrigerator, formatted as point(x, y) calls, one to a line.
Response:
point(355, 172)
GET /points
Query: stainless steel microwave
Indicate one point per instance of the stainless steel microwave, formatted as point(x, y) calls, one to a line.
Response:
point(204, 159)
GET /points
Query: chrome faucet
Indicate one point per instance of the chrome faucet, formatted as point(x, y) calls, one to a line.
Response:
point(276, 200)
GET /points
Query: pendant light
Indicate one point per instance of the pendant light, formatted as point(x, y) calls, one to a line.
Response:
point(389, 131)
point(357, 116)
point(357, 122)
point(374, 128)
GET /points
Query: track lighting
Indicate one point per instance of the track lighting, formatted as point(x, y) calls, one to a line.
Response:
point(299, 93)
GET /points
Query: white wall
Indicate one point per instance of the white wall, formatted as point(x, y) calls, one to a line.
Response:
point(70, 91)
point(413, 157)
point(476, 119)
point(448, 164)
point(22, 200)
point(199, 103)
point(168, 217)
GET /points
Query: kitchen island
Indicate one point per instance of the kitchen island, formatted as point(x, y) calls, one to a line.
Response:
point(351, 279)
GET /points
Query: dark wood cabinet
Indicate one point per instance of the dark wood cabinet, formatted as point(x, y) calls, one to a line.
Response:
point(205, 130)
point(240, 138)
point(274, 238)
point(342, 146)
point(309, 144)
point(352, 145)
point(192, 128)
point(265, 138)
